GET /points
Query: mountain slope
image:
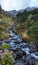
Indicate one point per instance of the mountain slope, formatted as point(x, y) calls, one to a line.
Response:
point(28, 26)
point(13, 12)
point(6, 21)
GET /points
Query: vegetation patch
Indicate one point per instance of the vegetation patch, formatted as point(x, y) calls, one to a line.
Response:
point(6, 21)
point(28, 26)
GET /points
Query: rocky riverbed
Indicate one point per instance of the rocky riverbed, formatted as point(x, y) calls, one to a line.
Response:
point(24, 54)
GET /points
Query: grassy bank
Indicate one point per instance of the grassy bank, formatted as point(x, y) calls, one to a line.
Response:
point(5, 23)
point(28, 26)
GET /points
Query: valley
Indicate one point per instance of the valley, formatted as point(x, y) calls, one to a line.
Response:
point(19, 37)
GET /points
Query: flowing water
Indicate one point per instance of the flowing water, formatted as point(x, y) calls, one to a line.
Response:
point(22, 50)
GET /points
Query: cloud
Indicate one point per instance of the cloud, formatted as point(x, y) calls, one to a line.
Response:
point(14, 4)
point(34, 3)
point(18, 4)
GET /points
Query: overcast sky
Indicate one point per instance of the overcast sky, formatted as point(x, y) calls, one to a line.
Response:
point(18, 4)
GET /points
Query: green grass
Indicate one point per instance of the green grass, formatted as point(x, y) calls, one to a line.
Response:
point(5, 46)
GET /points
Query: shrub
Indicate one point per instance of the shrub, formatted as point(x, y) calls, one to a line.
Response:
point(5, 46)
point(7, 59)
point(33, 32)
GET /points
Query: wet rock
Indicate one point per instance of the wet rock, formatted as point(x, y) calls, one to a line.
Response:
point(19, 63)
point(19, 54)
point(15, 48)
point(33, 48)
point(1, 43)
point(7, 40)
point(24, 45)
point(24, 59)
point(36, 63)
point(26, 50)
point(31, 59)
point(17, 42)
point(35, 55)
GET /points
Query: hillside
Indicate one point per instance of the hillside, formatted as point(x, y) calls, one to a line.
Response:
point(14, 12)
point(28, 25)
point(6, 21)
point(20, 48)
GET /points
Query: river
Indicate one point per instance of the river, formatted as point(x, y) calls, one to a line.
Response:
point(23, 53)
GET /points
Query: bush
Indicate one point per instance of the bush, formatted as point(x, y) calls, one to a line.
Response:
point(7, 58)
point(5, 46)
point(0, 16)
point(33, 32)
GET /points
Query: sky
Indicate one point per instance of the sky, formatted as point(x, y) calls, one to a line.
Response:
point(18, 4)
